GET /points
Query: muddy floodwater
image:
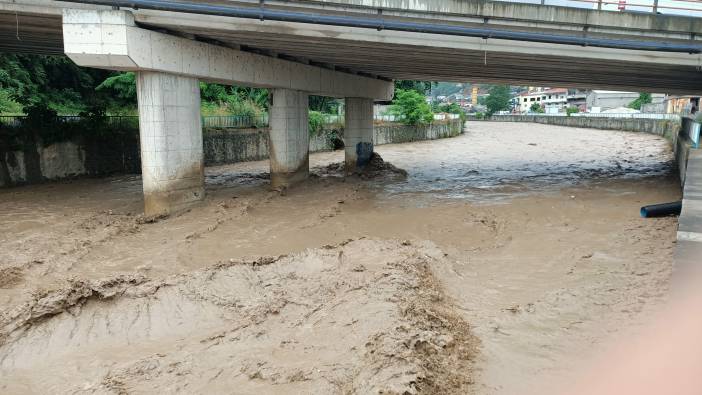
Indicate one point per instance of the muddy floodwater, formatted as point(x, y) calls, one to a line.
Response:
point(500, 263)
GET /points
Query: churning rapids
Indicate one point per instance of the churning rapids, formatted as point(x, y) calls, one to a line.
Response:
point(498, 263)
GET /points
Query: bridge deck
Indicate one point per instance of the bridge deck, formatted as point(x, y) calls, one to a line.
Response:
point(407, 55)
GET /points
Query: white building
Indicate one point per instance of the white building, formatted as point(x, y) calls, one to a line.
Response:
point(552, 100)
point(598, 100)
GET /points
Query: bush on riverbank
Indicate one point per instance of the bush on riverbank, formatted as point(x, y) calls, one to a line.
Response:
point(411, 108)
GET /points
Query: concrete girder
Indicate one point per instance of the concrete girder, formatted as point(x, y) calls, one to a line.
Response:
point(110, 39)
point(207, 24)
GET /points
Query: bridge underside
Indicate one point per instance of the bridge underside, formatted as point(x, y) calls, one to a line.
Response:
point(415, 62)
point(394, 55)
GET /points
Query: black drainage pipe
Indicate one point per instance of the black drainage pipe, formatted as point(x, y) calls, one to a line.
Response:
point(661, 210)
point(381, 23)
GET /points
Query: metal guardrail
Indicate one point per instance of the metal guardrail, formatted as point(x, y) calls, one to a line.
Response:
point(116, 120)
point(235, 121)
point(215, 121)
point(227, 121)
point(642, 115)
point(10, 120)
point(691, 129)
point(667, 7)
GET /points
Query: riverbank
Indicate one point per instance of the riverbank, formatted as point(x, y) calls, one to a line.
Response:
point(525, 246)
point(33, 159)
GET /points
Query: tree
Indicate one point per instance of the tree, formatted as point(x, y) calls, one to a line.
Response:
point(8, 105)
point(572, 110)
point(324, 104)
point(451, 108)
point(421, 87)
point(411, 107)
point(644, 98)
point(216, 98)
point(536, 107)
point(498, 99)
point(122, 86)
point(53, 82)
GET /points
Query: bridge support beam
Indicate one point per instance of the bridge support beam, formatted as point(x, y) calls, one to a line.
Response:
point(171, 141)
point(358, 133)
point(289, 140)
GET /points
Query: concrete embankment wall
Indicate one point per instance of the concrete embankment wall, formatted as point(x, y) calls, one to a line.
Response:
point(661, 127)
point(670, 129)
point(37, 162)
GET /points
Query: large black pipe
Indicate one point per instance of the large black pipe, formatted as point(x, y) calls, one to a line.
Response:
point(661, 210)
point(380, 23)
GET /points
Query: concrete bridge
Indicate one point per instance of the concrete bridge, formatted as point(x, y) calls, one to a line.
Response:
point(343, 48)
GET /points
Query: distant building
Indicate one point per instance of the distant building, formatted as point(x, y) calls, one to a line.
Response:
point(681, 104)
point(552, 100)
point(598, 100)
point(577, 98)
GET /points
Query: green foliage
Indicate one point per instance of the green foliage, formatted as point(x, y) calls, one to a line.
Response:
point(53, 82)
point(246, 107)
point(479, 115)
point(411, 107)
point(214, 93)
point(121, 85)
point(448, 88)
point(451, 108)
point(316, 122)
point(232, 100)
point(421, 87)
point(498, 99)
point(8, 105)
point(644, 98)
point(572, 110)
point(536, 108)
point(328, 105)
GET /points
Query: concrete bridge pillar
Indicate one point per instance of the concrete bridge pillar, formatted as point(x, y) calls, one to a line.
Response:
point(358, 133)
point(289, 140)
point(171, 141)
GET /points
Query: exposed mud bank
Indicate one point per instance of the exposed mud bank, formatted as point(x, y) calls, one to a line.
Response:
point(375, 168)
point(362, 317)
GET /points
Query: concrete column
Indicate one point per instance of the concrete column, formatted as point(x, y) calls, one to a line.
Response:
point(171, 141)
point(289, 139)
point(358, 133)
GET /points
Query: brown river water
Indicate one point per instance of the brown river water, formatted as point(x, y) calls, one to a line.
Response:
point(503, 261)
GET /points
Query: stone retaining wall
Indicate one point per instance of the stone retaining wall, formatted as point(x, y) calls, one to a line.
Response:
point(670, 129)
point(37, 163)
point(661, 127)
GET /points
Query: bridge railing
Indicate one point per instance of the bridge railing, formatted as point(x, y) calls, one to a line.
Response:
point(642, 115)
point(691, 129)
point(114, 120)
point(668, 7)
point(209, 121)
point(639, 115)
point(235, 121)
